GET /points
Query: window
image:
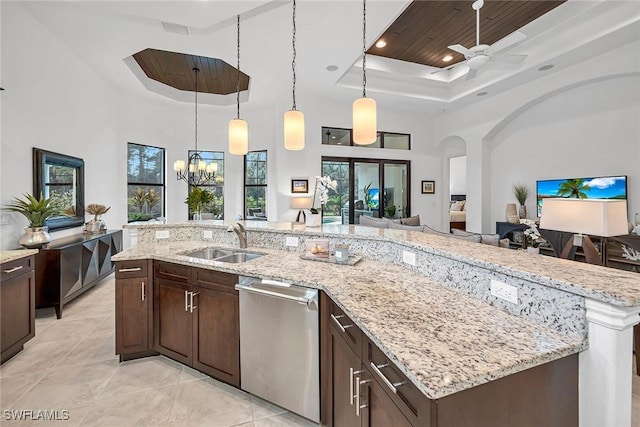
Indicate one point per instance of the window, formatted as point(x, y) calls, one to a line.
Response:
point(338, 136)
point(255, 185)
point(215, 209)
point(145, 182)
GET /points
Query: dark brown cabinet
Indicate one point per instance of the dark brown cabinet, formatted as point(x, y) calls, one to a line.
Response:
point(67, 267)
point(17, 305)
point(134, 308)
point(197, 319)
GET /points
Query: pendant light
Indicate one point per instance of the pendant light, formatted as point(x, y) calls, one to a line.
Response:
point(294, 119)
point(195, 171)
point(365, 130)
point(238, 128)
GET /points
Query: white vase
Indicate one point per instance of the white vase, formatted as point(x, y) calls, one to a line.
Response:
point(313, 220)
point(533, 250)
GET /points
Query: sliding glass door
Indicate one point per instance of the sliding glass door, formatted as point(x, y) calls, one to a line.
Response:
point(371, 187)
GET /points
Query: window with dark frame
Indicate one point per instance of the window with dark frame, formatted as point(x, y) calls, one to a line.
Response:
point(255, 185)
point(215, 209)
point(145, 182)
point(341, 136)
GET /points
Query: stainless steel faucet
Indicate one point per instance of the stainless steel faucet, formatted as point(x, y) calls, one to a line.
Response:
point(241, 232)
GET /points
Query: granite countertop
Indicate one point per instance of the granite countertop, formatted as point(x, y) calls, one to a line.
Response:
point(443, 340)
point(617, 287)
point(12, 255)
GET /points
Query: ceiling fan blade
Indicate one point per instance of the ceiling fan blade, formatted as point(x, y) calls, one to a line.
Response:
point(443, 69)
point(461, 49)
point(507, 41)
point(471, 74)
point(508, 59)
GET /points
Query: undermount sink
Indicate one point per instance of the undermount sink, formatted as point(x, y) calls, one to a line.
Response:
point(222, 255)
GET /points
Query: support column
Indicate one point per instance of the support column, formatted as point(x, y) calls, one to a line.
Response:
point(605, 368)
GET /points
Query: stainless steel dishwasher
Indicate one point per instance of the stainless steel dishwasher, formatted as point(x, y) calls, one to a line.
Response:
point(279, 344)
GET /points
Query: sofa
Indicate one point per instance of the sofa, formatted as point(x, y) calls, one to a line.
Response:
point(413, 224)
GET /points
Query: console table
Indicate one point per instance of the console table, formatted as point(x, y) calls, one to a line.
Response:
point(67, 267)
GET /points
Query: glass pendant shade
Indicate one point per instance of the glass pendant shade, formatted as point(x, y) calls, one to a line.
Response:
point(365, 129)
point(238, 137)
point(294, 130)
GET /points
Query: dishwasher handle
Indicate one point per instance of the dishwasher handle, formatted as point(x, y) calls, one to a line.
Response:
point(299, 300)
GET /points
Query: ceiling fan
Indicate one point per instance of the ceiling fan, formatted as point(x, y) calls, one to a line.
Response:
point(477, 56)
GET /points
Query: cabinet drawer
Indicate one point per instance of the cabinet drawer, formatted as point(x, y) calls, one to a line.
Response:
point(174, 272)
point(216, 280)
point(411, 401)
point(133, 268)
point(346, 327)
point(17, 267)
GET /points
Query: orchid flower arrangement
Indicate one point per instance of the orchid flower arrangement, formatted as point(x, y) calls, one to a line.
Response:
point(323, 185)
point(532, 233)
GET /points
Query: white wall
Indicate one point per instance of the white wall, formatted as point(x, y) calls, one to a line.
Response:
point(458, 175)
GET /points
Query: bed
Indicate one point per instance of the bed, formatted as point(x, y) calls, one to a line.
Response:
point(458, 212)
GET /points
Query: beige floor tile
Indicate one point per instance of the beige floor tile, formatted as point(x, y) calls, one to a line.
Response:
point(107, 326)
point(65, 329)
point(85, 311)
point(91, 349)
point(284, 420)
point(67, 387)
point(37, 357)
point(264, 409)
point(142, 374)
point(72, 418)
point(146, 408)
point(14, 388)
point(209, 403)
point(190, 374)
point(45, 315)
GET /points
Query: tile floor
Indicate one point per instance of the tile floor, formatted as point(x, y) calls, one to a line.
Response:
point(71, 365)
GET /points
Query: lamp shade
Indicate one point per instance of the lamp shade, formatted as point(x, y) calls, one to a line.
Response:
point(587, 216)
point(301, 202)
point(294, 130)
point(238, 137)
point(365, 126)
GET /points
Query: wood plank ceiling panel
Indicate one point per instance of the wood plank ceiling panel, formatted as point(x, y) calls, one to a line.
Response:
point(423, 31)
point(176, 70)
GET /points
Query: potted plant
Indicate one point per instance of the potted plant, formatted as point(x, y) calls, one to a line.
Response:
point(96, 225)
point(532, 234)
point(323, 185)
point(521, 191)
point(36, 234)
point(197, 198)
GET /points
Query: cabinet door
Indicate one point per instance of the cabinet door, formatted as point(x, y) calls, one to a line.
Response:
point(216, 334)
point(133, 297)
point(379, 410)
point(17, 303)
point(343, 364)
point(173, 322)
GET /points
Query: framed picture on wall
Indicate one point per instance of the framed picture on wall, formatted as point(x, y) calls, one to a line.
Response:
point(299, 185)
point(428, 187)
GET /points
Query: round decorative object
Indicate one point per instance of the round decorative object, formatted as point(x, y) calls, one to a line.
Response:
point(523, 212)
point(512, 213)
point(313, 220)
point(35, 237)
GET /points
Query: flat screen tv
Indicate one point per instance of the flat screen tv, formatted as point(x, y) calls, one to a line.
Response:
point(604, 187)
point(374, 198)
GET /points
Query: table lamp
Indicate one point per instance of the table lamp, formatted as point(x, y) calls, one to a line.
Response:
point(597, 217)
point(301, 203)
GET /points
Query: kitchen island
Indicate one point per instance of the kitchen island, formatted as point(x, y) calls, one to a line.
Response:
point(443, 340)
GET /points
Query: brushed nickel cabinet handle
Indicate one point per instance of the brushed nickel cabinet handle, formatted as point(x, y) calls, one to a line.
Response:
point(186, 301)
point(11, 270)
point(192, 294)
point(128, 270)
point(142, 291)
point(342, 328)
point(392, 386)
point(351, 386)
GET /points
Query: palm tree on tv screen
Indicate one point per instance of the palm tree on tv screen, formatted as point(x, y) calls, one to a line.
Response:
point(574, 188)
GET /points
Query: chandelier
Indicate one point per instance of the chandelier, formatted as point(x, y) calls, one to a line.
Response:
point(196, 171)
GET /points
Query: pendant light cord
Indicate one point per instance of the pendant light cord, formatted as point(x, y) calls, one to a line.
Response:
point(364, 48)
point(293, 62)
point(238, 71)
point(196, 69)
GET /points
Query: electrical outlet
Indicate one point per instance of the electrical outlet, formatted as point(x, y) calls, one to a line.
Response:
point(292, 241)
point(504, 291)
point(207, 234)
point(409, 258)
point(162, 234)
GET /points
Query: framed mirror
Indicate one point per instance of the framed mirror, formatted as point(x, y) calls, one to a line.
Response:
point(61, 178)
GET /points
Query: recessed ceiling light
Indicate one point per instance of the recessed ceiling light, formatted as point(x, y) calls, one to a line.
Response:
point(447, 58)
point(546, 67)
point(381, 43)
point(333, 137)
point(332, 67)
point(481, 93)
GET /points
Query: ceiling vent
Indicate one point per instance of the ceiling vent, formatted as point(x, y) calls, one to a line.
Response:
point(176, 28)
